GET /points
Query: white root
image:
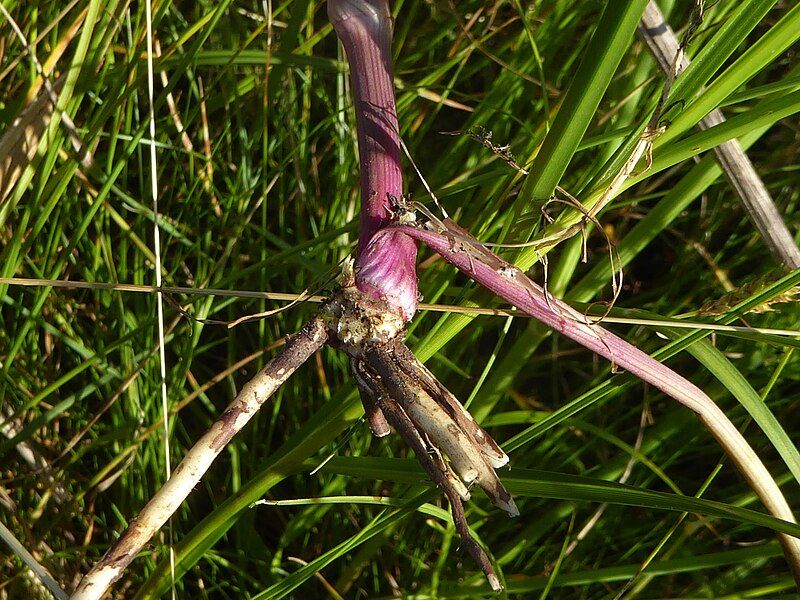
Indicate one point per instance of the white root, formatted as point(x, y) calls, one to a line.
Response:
point(197, 461)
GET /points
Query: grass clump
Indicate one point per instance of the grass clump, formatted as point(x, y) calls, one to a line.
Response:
point(258, 191)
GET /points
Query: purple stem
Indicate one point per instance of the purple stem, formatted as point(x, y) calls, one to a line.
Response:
point(511, 284)
point(385, 270)
point(458, 247)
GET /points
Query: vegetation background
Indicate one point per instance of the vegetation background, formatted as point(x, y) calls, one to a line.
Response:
point(258, 191)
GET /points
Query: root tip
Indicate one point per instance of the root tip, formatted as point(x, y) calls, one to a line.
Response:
point(498, 461)
point(469, 475)
point(509, 506)
point(494, 582)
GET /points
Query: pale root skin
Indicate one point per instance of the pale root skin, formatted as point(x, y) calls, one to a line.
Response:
point(198, 460)
point(398, 391)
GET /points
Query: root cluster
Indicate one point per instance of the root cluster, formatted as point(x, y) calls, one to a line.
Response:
point(399, 392)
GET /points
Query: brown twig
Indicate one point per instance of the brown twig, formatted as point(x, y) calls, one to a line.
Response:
point(738, 169)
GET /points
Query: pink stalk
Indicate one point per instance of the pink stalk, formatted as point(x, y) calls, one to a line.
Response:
point(385, 269)
point(459, 248)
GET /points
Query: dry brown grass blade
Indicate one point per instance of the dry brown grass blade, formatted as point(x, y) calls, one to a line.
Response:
point(19, 143)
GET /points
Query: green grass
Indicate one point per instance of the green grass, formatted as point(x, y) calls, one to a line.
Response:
point(266, 198)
